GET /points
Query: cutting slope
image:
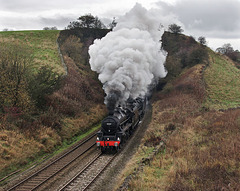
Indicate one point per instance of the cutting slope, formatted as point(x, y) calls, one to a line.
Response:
point(223, 82)
point(42, 43)
point(201, 143)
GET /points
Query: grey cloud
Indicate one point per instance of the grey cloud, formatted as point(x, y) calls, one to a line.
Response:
point(23, 23)
point(43, 5)
point(32, 14)
point(216, 18)
point(59, 20)
point(25, 5)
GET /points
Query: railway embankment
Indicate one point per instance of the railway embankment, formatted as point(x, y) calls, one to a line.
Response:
point(197, 118)
point(47, 110)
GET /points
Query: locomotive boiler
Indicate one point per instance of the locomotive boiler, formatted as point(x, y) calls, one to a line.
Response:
point(120, 124)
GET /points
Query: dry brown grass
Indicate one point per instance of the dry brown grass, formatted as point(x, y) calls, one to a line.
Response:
point(73, 109)
point(78, 93)
point(202, 147)
point(74, 126)
point(15, 148)
point(212, 153)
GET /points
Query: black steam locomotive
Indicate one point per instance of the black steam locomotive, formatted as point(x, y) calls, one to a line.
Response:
point(120, 124)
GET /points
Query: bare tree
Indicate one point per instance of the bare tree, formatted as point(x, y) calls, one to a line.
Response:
point(46, 28)
point(225, 49)
point(50, 28)
point(113, 23)
point(15, 61)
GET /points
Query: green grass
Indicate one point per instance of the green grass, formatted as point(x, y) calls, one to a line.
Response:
point(223, 83)
point(68, 143)
point(42, 43)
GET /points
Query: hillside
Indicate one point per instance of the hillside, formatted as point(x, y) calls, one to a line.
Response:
point(191, 115)
point(192, 142)
point(41, 43)
point(43, 110)
point(222, 80)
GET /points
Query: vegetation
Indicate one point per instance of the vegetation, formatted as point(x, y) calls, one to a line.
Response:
point(202, 40)
point(113, 23)
point(14, 67)
point(41, 107)
point(175, 29)
point(225, 49)
point(50, 28)
point(228, 50)
point(200, 142)
point(222, 82)
point(183, 52)
point(41, 43)
point(87, 21)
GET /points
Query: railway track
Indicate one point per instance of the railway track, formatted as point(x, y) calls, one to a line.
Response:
point(85, 178)
point(49, 171)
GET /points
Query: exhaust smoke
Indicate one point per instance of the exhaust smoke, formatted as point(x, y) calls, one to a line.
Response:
point(129, 58)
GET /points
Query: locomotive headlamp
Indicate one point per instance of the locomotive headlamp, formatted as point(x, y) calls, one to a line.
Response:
point(118, 139)
point(97, 138)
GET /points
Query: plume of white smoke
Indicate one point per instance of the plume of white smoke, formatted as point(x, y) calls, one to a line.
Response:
point(129, 58)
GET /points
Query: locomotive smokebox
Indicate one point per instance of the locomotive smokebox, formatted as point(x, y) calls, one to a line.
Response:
point(110, 112)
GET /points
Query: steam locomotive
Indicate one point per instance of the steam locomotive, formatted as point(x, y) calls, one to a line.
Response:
point(120, 124)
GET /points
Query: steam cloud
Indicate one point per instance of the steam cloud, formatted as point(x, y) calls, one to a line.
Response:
point(129, 58)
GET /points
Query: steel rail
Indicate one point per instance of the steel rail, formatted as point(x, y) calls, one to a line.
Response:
point(65, 186)
point(52, 163)
point(79, 173)
point(105, 166)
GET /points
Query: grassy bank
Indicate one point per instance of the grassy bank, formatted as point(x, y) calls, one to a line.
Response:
point(67, 143)
point(42, 44)
point(201, 145)
point(54, 119)
point(223, 83)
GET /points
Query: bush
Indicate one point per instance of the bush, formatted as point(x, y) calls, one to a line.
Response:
point(174, 28)
point(196, 56)
point(15, 62)
point(78, 93)
point(43, 83)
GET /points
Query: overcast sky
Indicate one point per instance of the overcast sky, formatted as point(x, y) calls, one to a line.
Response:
point(217, 20)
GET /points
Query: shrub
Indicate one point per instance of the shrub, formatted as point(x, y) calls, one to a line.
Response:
point(196, 56)
point(42, 84)
point(174, 28)
point(15, 61)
